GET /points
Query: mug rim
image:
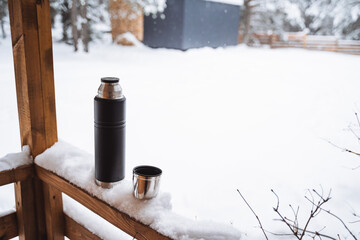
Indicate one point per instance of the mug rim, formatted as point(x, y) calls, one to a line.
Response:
point(150, 171)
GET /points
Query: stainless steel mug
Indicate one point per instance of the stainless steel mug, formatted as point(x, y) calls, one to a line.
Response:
point(109, 125)
point(146, 181)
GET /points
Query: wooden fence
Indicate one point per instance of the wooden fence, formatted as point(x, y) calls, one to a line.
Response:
point(310, 42)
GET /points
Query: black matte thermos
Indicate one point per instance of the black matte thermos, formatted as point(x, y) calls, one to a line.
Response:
point(109, 124)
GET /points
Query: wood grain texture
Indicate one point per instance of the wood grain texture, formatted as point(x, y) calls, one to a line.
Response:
point(26, 214)
point(112, 215)
point(76, 231)
point(33, 65)
point(24, 33)
point(54, 214)
point(47, 71)
point(8, 226)
point(18, 174)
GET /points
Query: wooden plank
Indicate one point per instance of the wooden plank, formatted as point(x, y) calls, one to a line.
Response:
point(112, 215)
point(47, 72)
point(23, 23)
point(33, 63)
point(18, 174)
point(40, 210)
point(26, 214)
point(54, 214)
point(52, 197)
point(338, 48)
point(76, 231)
point(34, 74)
point(8, 226)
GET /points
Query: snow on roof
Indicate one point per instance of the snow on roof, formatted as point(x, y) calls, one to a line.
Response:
point(14, 160)
point(233, 2)
point(77, 166)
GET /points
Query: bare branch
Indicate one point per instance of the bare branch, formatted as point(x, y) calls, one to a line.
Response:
point(353, 132)
point(343, 149)
point(316, 233)
point(355, 168)
point(313, 200)
point(293, 225)
point(261, 227)
point(277, 199)
point(283, 219)
point(342, 222)
point(322, 194)
point(357, 118)
point(357, 216)
point(356, 221)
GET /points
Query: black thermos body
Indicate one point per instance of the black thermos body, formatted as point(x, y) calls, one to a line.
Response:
point(109, 125)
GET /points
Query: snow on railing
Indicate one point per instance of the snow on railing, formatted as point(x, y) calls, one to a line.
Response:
point(14, 167)
point(77, 167)
point(14, 160)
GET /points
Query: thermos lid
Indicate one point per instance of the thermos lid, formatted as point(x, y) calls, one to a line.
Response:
point(110, 80)
point(110, 88)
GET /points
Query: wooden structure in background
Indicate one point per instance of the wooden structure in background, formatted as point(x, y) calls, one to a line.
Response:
point(39, 210)
point(126, 17)
point(310, 42)
point(319, 43)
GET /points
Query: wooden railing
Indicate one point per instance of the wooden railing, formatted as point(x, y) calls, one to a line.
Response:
point(103, 209)
point(38, 192)
point(71, 228)
point(9, 222)
point(21, 173)
point(8, 226)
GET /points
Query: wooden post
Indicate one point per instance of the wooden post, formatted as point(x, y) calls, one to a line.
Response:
point(33, 63)
point(304, 39)
point(126, 16)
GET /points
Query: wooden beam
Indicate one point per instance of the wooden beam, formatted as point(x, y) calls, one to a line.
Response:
point(18, 174)
point(33, 64)
point(47, 73)
point(76, 231)
point(26, 214)
point(8, 226)
point(112, 215)
point(54, 213)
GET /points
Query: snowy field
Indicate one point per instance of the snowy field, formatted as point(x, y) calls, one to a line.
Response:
point(218, 120)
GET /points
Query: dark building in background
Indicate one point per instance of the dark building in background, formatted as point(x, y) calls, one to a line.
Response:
point(193, 24)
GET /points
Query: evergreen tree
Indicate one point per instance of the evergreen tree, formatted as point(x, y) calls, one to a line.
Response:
point(318, 17)
point(335, 17)
point(347, 19)
point(65, 13)
point(270, 17)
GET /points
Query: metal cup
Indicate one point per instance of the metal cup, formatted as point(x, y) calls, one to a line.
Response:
point(146, 181)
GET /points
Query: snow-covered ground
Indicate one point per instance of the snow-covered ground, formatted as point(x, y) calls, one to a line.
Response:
point(217, 120)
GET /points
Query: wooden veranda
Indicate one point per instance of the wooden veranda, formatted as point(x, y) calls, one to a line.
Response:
point(38, 192)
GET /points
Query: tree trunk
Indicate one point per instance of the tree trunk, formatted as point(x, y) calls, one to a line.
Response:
point(74, 13)
point(247, 17)
point(65, 20)
point(84, 27)
point(2, 28)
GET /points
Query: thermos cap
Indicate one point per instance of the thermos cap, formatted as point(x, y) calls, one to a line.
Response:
point(110, 80)
point(110, 88)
